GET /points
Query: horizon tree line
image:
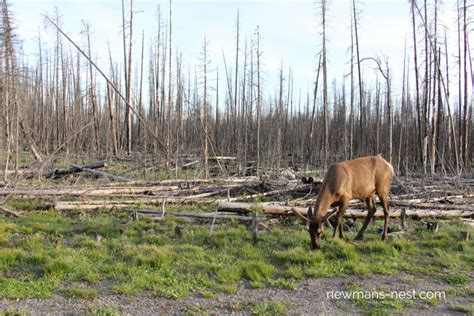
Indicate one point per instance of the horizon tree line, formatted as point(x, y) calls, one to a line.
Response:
point(159, 112)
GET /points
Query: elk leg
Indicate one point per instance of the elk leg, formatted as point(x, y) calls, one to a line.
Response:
point(340, 218)
point(335, 227)
point(342, 209)
point(384, 200)
point(341, 228)
point(339, 214)
point(371, 211)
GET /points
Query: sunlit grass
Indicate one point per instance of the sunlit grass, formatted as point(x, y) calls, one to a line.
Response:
point(80, 292)
point(47, 253)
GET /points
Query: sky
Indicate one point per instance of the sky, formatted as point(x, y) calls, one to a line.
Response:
point(290, 32)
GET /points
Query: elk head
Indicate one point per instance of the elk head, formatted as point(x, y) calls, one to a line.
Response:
point(315, 224)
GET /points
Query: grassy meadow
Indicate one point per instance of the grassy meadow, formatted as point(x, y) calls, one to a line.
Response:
point(90, 254)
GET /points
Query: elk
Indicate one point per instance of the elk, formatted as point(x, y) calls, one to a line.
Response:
point(360, 178)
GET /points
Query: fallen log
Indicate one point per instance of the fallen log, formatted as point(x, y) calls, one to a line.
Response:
point(206, 181)
point(414, 203)
point(88, 191)
point(270, 193)
point(102, 174)
point(156, 189)
point(9, 212)
point(222, 158)
point(267, 208)
point(170, 182)
point(275, 209)
point(441, 199)
point(468, 222)
point(401, 233)
point(189, 164)
point(73, 169)
point(41, 193)
point(436, 206)
point(119, 204)
point(196, 215)
point(91, 207)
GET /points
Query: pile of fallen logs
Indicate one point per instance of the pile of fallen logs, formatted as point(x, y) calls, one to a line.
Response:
point(61, 172)
point(451, 198)
point(355, 209)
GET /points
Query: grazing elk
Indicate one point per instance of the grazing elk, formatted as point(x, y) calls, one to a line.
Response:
point(360, 178)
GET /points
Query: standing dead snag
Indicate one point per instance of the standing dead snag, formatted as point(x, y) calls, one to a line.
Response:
point(432, 225)
point(360, 178)
point(254, 227)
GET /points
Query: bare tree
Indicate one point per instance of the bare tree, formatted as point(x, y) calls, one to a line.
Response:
point(466, 121)
point(206, 111)
point(92, 93)
point(259, 98)
point(356, 33)
point(170, 93)
point(127, 60)
point(325, 84)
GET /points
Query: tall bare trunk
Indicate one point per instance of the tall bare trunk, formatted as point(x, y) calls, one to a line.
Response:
point(361, 119)
point(205, 114)
point(170, 94)
point(259, 100)
point(325, 88)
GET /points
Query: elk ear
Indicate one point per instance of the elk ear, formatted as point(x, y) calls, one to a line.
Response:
point(310, 180)
point(304, 180)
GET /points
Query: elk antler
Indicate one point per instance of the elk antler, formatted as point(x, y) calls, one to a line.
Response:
point(297, 213)
point(329, 215)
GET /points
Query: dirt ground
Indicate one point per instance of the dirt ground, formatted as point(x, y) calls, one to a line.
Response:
point(310, 297)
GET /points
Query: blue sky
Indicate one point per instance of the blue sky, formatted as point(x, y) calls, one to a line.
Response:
point(289, 30)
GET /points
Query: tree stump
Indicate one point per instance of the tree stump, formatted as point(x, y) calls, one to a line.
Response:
point(432, 226)
point(402, 217)
point(135, 216)
point(178, 231)
point(254, 227)
point(464, 235)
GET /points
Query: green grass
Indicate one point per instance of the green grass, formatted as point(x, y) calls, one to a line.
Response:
point(103, 311)
point(284, 283)
point(80, 292)
point(268, 308)
point(28, 204)
point(456, 279)
point(47, 253)
point(15, 312)
point(257, 271)
point(467, 309)
point(17, 289)
point(299, 255)
point(340, 250)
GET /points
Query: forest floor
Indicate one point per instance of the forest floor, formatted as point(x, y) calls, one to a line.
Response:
point(87, 246)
